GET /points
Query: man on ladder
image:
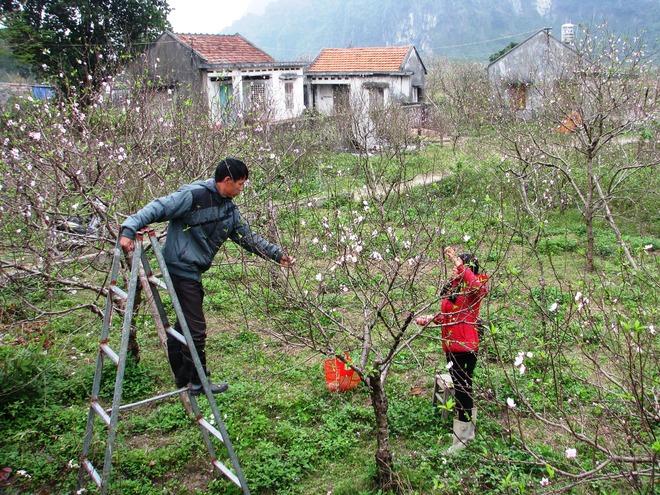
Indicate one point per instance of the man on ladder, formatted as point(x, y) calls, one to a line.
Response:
point(202, 216)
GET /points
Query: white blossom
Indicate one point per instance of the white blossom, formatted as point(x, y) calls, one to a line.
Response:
point(315, 240)
point(376, 256)
point(449, 365)
point(319, 277)
point(578, 296)
point(544, 482)
point(571, 453)
point(510, 402)
point(466, 238)
point(553, 307)
point(519, 359)
point(35, 135)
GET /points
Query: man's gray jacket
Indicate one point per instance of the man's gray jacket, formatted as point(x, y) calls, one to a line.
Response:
point(200, 222)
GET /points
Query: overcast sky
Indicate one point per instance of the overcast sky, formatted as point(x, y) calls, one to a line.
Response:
point(210, 16)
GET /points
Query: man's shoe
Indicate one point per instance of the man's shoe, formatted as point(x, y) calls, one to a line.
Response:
point(216, 388)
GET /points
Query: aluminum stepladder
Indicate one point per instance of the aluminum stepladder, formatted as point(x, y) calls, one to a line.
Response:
point(141, 273)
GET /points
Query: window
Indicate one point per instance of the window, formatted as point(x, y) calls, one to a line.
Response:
point(257, 93)
point(417, 94)
point(340, 98)
point(518, 96)
point(376, 97)
point(288, 95)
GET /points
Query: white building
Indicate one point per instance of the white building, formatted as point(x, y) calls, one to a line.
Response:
point(371, 76)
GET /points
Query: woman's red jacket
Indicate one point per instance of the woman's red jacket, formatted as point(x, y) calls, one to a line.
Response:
point(459, 318)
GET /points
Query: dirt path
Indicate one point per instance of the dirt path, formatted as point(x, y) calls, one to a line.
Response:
point(418, 180)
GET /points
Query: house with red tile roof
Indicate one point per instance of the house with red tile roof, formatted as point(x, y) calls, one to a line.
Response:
point(366, 75)
point(228, 74)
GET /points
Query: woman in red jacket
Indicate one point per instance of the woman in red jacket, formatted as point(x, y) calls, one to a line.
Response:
point(459, 315)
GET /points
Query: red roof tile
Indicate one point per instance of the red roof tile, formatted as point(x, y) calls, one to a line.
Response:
point(225, 48)
point(376, 59)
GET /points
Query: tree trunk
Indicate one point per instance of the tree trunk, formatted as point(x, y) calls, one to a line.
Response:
point(589, 220)
point(589, 215)
point(610, 219)
point(385, 478)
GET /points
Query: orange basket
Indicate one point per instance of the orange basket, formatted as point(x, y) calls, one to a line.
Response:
point(338, 378)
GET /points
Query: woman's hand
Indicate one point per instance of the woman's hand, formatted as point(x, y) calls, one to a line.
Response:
point(450, 252)
point(422, 321)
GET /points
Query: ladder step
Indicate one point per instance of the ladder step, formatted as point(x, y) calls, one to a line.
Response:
point(110, 353)
point(156, 281)
point(119, 292)
point(227, 472)
point(210, 428)
point(92, 472)
point(175, 334)
point(144, 402)
point(101, 412)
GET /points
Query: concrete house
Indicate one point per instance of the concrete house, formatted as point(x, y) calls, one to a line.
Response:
point(374, 76)
point(525, 74)
point(230, 75)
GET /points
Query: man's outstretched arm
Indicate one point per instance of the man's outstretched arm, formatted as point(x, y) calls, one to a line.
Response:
point(254, 243)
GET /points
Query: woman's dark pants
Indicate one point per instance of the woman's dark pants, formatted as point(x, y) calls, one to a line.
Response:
point(461, 374)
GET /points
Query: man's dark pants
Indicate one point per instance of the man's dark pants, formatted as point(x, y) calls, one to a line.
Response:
point(191, 296)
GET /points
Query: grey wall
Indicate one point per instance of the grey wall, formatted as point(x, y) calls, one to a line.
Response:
point(170, 63)
point(414, 64)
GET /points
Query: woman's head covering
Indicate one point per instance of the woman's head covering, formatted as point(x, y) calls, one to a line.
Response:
point(470, 260)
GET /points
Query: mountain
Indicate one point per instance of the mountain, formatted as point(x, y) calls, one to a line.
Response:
point(474, 29)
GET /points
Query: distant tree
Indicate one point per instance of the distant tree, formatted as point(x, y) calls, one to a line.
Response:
point(458, 96)
point(504, 50)
point(77, 45)
point(10, 67)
